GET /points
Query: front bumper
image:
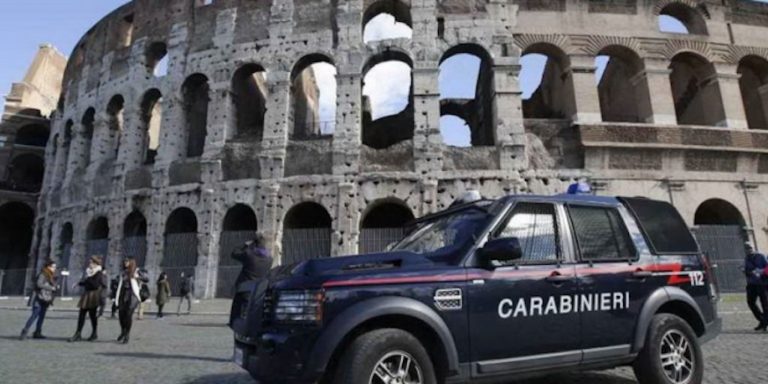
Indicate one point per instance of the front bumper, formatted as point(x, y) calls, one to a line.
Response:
point(278, 357)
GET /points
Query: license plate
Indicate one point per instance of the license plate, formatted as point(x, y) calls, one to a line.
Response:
point(238, 357)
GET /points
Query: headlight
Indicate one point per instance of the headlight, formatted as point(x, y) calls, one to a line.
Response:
point(299, 306)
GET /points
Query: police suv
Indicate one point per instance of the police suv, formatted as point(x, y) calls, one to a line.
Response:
point(489, 291)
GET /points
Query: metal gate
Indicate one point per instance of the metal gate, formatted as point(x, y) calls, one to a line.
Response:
point(305, 244)
point(229, 268)
point(724, 246)
point(136, 247)
point(97, 247)
point(374, 240)
point(179, 255)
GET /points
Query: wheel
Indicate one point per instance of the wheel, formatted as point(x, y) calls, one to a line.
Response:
point(672, 354)
point(385, 356)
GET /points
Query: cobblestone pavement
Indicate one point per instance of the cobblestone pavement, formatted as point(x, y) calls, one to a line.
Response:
point(197, 349)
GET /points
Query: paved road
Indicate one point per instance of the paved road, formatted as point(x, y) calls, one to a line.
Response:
point(196, 350)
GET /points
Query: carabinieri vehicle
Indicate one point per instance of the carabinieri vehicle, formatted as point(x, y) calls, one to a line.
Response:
point(492, 290)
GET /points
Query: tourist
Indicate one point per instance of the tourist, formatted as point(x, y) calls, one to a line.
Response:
point(42, 298)
point(185, 292)
point(143, 295)
point(128, 297)
point(113, 294)
point(755, 265)
point(92, 284)
point(255, 259)
point(163, 293)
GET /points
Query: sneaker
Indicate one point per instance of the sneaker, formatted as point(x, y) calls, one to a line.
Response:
point(38, 336)
point(23, 335)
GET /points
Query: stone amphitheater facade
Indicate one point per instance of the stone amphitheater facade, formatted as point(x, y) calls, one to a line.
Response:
point(681, 118)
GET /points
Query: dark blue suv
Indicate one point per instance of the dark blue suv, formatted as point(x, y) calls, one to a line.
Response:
point(492, 290)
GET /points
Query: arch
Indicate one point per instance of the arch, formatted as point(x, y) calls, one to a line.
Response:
point(157, 59)
point(16, 233)
point(115, 120)
point(249, 98)
point(549, 95)
point(383, 223)
point(151, 120)
point(180, 250)
point(34, 135)
point(97, 239)
point(196, 96)
point(66, 240)
point(240, 225)
point(134, 241)
point(623, 88)
point(695, 91)
point(387, 19)
point(691, 18)
point(718, 212)
point(306, 233)
point(26, 172)
point(89, 118)
point(387, 111)
point(471, 66)
point(753, 82)
point(313, 97)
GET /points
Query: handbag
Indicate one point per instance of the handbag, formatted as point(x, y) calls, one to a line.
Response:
point(144, 292)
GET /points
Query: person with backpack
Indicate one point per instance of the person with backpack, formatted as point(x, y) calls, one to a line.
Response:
point(185, 291)
point(42, 298)
point(163, 293)
point(755, 267)
point(128, 296)
point(92, 284)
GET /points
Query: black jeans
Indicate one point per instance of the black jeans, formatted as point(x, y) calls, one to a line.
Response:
point(92, 313)
point(125, 313)
point(755, 293)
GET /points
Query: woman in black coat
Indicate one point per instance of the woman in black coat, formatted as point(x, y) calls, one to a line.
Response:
point(128, 296)
point(93, 284)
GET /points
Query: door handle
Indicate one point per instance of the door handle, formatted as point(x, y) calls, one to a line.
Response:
point(558, 278)
point(641, 275)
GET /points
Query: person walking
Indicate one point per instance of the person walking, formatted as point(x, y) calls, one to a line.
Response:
point(92, 284)
point(163, 293)
point(185, 291)
point(755, 265)
point(42, 298)
point(142, 303)
point(128, 297)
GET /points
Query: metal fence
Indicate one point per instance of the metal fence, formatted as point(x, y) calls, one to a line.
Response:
point(724, 246)
point(179, 255)
point(374, 240)
point(12, 281)
point(136, 247)
point(305, 244)
point(97, 247)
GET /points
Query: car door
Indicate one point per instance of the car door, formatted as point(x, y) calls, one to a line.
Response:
point(518, 320)
point(613, 284)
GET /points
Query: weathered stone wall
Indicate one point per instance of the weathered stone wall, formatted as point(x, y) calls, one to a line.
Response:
point(272, 173)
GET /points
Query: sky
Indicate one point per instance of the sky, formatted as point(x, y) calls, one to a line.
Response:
point(24, 25)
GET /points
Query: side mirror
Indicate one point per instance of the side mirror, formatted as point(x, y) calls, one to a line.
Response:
point(501, 250)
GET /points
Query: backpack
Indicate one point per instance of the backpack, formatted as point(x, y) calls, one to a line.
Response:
point(144, 292)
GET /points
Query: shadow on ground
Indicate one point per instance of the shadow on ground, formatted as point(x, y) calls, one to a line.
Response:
point(144, 355)
point(578, 378)
point(202, 325)
point(225, 378)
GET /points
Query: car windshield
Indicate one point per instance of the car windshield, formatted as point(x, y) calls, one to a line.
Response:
point(446, 236)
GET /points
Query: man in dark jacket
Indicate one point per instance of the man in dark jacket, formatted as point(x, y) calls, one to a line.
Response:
point(255, 259)
point(755, 269)
point(185, 291)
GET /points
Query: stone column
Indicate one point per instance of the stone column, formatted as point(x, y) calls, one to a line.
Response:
point(132, 151)
point(269, 226)
point(510, 131)
point(427, 139)
point(275, 139)
point(208, 231)
point(586, 98)
point(347, 219)
point(662, 101)
point(730, 92)
point(77, 151)
point(347, 137)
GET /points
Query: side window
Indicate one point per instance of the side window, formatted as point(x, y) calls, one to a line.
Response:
point(601, 234)
point(535, 226)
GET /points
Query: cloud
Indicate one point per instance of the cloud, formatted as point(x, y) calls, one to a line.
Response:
point(388, 86)
point(384, 26)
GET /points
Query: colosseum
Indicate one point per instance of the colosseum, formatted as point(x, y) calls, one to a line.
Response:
point(185, 126)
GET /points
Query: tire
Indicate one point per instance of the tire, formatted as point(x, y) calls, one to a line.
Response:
point(375, 354)
point(668, 335)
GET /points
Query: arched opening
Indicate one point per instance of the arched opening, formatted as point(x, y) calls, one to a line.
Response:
point(387, 19)
point(718, 212)
point(115, 121)
point(546, 83)
point(753, 82)
point(180, 248)
point(97, 240)
point(384, 224)
point(34, 135)
point(64, 252)
point(622, 87)
point(249, 97)
point(16, 230)
point(720, 231)
point(239, 226)
point(157, 59)
point(455, 131)
point(195, 91)
point(681, 18)
point(26, 173)
point(306, 233)
point(695, 91)
point(151, 119)
point(387, 100)
point(88, 126)
point(313, 95)
point(66, 145)
point(135, 238)
point(467, 91)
